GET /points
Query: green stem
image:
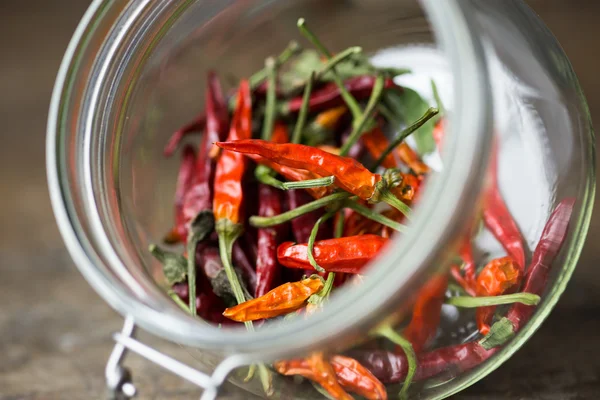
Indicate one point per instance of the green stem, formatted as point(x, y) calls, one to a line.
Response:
point(228, 233)
point(309, 183)
point(299, 128)
point(389, 333)
point(191, 273)
point(528, 299)
point(311, 241)
point(348, 98)
point(365, 118)
point(335, 60)
point(292, 49)
point(501, 332)
point(178, 301)
point(368, 213)
point(266, 378)
point(395, 202)
point(269, 118)
point(430, 113)
point(264, 175)
point(388, 114)
point(265, 222)
point(339, 225)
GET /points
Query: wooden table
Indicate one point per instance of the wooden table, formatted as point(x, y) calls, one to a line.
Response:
point(55, 331)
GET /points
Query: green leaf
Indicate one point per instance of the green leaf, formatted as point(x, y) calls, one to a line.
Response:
point(408, 106)
point(500, 333)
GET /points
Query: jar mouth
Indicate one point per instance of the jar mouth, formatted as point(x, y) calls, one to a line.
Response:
point(438, 220)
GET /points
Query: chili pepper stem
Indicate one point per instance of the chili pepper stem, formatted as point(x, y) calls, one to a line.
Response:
point(311, 241)
point(528, 299)
point(299, 128)
point(191, 272)
point(309, 183)
point(335, 60)
point(389, 198)
point(265, 174)
point(348, 98)
point(292, 49)
point(431, 112)
point(269, 120)
point(368, 213)
point(366, 117)
point(178, 301)
point(389, 333)
point(266, 379)
point(500, 333)
point(265, 222)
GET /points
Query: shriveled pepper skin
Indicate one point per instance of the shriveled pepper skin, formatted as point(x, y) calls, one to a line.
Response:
point(349, 174)
point(355, 378)
point(496, 278)
point(283, 299)
point(266, 262)
point(231, 166)
point(318, 369)
point(347, 254)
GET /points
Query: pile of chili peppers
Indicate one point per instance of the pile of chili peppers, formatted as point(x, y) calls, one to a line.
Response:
point(275, 211)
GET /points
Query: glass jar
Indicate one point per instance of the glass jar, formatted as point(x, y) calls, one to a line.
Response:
point(135, 70)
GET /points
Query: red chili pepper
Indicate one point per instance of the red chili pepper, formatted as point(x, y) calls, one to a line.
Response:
point(391, 367)
point(185, 179)
point(231, 165)
point(347, 254)
point(195, 126)
point(266, 264)
point(349, 174)
point(548, 247)
point(284, 299)
point(498, 219)
point(241, 260)
point(328, 96)
point(496, 278)
point(427, 312)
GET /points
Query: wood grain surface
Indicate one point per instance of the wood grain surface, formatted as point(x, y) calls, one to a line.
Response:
point(55, 331)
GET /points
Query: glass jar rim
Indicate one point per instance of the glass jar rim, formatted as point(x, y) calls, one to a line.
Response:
point(472, 117)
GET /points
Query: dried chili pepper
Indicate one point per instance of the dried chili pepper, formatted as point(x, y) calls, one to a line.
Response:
point(548, 247)
point(329, 95)
point(283, 299)
point(496, 278)
point(196, 126)
point(185, 180)
point(354, 377)
point(347, 254)
point(498, 219)
point(391, 367)
point(266, 262)
point(427, 312)
point(228, 194)
point(242, 261)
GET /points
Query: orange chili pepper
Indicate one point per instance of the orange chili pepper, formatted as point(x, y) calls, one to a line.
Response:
point(354, 377)
point(317, 369)
point(427, 312)
point(350, 175)
point(496, 278)
point(376, 143)
point(347, 254)
point(283, 299)
point(329, 119)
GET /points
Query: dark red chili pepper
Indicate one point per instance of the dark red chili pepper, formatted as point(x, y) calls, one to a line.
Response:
point(499, 220)
point(548, 247)
point(347, 254)
point(269, 200)
point(391, 367)
point(328, 96)
point(240, 260)
point(427, 312)
point(185, 180)
point(196, 126)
